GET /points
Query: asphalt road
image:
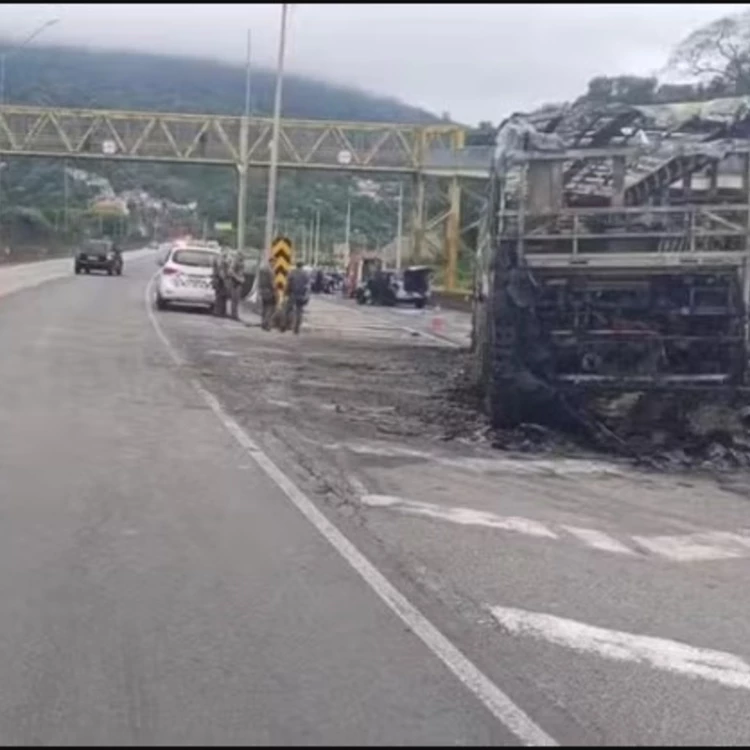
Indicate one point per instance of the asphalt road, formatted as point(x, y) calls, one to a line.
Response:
point(157, 587)
point(160, 584)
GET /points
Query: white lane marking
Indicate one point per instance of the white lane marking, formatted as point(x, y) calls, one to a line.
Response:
point(599, 540)
point(461, 516)
point(669, 656)
point(710, 545)
point(497, 702)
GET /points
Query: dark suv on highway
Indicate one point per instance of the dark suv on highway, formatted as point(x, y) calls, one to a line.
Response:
point(99, 255)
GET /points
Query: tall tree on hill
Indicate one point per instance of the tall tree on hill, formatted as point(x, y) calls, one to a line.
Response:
point(718, 52)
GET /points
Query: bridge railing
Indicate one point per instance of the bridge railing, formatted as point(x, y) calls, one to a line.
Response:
point(216, 139)
point(475, 159)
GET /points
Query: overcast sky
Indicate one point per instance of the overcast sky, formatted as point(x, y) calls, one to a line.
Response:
point(477, 62)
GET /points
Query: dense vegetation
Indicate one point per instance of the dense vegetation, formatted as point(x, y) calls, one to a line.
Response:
point(56, 76)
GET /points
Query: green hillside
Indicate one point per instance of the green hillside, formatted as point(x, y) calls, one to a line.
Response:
point(60, 76)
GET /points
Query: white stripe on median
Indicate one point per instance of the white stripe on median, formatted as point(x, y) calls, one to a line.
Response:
point(669, 656)
point(599, 540)
point(685, 548)
point(703, 546)
point(462, 516)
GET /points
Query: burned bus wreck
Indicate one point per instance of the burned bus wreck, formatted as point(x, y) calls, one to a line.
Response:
point(614, 257)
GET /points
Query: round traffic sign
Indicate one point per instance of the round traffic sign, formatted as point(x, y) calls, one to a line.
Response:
point(345, 157)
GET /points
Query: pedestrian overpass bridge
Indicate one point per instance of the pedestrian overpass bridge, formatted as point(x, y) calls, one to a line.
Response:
point(433, 156)
point(432, 150)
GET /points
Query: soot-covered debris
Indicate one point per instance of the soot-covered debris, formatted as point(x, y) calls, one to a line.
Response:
point(706, 430)
point(335, 389)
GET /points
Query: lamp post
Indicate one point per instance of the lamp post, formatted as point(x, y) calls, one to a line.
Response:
point(5, 54)
point(348, 230)
point(3, 165)
point(242, 167)
point(400, 222)
point(316, 251)
point(17, 48)
point(274, 167)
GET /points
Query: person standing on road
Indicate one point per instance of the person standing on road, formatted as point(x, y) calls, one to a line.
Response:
point(298, 292)
point(235, 281)
point(218, 281)
point(267, 295)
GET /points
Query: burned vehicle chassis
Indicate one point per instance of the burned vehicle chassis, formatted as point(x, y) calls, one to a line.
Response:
point(592, 280)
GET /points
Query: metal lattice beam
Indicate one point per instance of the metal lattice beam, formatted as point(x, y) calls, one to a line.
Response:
point(214, 139)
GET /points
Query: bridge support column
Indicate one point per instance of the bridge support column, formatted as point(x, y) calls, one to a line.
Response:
point(453, 233)
point(418, 219)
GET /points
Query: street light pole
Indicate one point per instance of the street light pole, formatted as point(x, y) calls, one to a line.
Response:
point(242, 168)
point(311, 241)
point(348, 230)
point(5, 54)
point(400, 228)
point(317, 237)
point(3, 165)
point(273, 171)
point(66, 196)
point(14, 50)
point(248, 77)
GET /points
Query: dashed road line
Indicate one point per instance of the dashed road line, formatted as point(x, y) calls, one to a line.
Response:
point(599, 540)
point(687, 548)
point(660, 653)
point(699, 547)
point(462, 516)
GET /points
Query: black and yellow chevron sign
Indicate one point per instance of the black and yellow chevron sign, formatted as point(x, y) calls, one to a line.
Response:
point(282, 257)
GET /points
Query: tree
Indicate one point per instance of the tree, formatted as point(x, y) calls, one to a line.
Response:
point(719, 52)
point(621, 89)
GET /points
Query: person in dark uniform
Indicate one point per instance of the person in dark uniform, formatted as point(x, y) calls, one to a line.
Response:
point(235, 280)
point(267, 295)
point(219, 283)
point(297, 292)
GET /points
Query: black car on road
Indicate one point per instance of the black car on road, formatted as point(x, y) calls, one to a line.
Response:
point(99, 255)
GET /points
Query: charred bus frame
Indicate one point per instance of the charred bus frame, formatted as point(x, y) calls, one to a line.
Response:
point(589, 277)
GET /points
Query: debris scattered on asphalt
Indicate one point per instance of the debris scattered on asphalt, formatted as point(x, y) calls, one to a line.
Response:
point(350, 390)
